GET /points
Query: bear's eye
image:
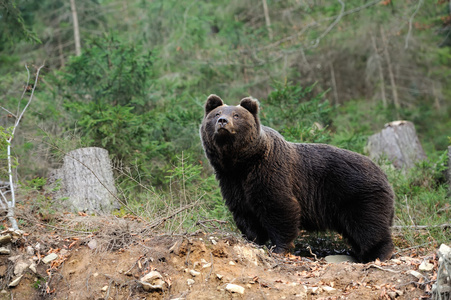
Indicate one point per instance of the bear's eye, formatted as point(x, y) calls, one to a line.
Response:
point(218, 114)
point(236, 116)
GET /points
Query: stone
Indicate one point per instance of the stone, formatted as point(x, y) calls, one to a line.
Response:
point(92, 244)
point(49, 258)
point(444, 250)
point(207, 265)
point(416, 274)
point(194, 273)
point(328, 289)
point(15, 282)
point(426, 266)
point(30, 250)
point(105, 288)
point(5, 251)
point(313, 290)
point(234, 288)
point(5, 239)
point(20, 267)
point(340, 258)
point(152, 281)
point(190, 282)
point(33, 267)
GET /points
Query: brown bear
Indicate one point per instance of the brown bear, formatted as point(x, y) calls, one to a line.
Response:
point(274, 188)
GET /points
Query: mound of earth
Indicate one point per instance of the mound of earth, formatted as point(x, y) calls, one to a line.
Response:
point(121, 260)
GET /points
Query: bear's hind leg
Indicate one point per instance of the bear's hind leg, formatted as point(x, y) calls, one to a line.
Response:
point(369, 245)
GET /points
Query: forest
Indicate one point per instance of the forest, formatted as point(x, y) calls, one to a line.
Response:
point(133, 76)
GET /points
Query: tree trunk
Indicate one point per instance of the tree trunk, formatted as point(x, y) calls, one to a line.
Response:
point(267, 19)
point(390, 71)
point(399, 143)
point(449, 170)
point(381, 73)
point(87, 181)
point(76, 28)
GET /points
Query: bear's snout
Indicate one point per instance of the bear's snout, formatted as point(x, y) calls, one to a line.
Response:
point(222, 122)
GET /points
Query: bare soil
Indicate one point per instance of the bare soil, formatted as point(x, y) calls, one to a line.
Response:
point(109, 262)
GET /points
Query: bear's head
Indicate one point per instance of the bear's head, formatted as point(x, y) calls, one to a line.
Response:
point(230, 128)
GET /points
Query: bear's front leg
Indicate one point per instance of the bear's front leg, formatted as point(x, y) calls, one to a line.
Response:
point(251, 227)
point(281, 219)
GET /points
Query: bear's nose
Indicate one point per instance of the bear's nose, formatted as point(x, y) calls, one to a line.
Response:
point(222, 122)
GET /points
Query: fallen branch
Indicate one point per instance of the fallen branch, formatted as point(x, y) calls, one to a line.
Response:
point(383, 269)
point(164, 219)
point(443, 226)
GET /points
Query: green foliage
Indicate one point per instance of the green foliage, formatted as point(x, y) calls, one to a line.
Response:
point(299, 114)
point(421, 199)
point(37, 183)
point(111, 71)
point(12, 24)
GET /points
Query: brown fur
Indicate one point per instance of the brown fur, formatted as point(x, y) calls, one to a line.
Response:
point(274, 188)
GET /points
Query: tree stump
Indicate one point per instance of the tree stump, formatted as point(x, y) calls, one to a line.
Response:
point(87, 182)
point(399, 143)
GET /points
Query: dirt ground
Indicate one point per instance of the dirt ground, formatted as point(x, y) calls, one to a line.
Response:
point(110, 261)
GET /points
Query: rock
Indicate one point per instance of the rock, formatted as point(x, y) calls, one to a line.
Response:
point(92, 244)
point(207, 265)
point(49, 258)
point(340, 258)
point(328, 289)
point(152, 281)
point(5, 239)
point(313, 290)
point(5, 251)
point(14, 258)
point(234, 288)
point(33, 268)
point(20, 267)
point(231, 263)
point(426, 266)
point(105, 288)
point(219, 276)
point(444, 250)
point(151, 276)
point(190, 282)
point(15, 281)
point(416, 274)
point(247, 253)
point(30, 251)
point(194, 273)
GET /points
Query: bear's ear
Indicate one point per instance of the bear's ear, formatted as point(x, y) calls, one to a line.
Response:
point(250, 104)
point(213, 101)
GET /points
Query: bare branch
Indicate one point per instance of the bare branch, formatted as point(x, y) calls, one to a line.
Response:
point(420, 2)
point(11, 204)
point(331, 25)
point(29, 99)
point(445, 225)
point(8, 111)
